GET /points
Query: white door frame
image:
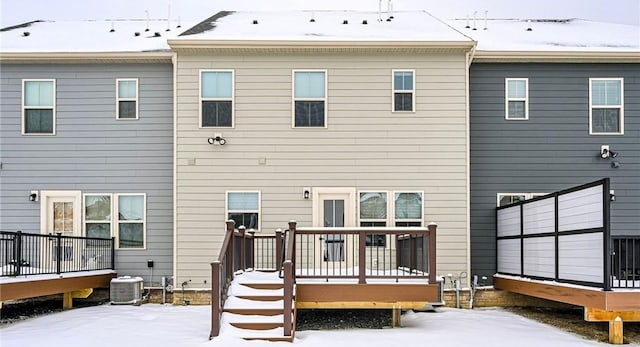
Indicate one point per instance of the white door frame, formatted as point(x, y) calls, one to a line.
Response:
point(332, 193)
point(45, 198)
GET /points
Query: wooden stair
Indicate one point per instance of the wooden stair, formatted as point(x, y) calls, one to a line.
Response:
point(254, 309)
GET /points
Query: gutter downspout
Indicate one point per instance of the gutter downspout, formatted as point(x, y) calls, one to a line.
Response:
point(469, 59)
point(174, 62)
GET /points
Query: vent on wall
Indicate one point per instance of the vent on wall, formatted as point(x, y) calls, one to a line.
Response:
point(126, 290)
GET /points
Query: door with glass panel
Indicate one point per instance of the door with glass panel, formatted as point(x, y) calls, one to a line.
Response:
point(334, 251)
point(60, 214)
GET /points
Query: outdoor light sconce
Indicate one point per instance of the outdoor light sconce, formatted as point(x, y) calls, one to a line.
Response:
point(306, 193)
point(612, 195)
point(218, 138)
point(606, 152)
point(33, 196)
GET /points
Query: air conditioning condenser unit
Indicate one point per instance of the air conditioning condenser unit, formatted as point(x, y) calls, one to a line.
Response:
point(126, 290)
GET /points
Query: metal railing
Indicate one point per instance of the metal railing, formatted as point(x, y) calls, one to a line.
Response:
point(625, 261)
point(39, 254)
point(364, 253)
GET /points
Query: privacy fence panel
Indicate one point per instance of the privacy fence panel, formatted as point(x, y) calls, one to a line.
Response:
point(563, 236)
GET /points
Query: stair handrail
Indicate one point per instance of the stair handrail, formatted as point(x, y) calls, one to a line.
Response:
point(219, 280)
point(289, 279)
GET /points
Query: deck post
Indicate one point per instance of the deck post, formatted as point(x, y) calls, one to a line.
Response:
point(113, 253)
point(17, 251)
point(230, 258)
point(58, 253)
point(243, 264)
point(615, 332)
point(396, 314)
point(288, 297)
point(215, 300)
point(279, 248)
point(362, 258)
point(292, 233)
point(432, 252)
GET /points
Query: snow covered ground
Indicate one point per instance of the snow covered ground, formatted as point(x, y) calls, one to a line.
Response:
point(182, 326)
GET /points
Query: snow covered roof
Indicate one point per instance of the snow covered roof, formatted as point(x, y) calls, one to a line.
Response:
point(87, 36)
point(325, 26)
point(551, 35)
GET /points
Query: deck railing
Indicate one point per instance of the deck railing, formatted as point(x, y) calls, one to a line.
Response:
point(364, 253)
point(39, 254)
point(626, 261)
point(240, 250)
point(310, 253)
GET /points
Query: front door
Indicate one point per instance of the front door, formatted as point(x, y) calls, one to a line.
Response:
point(334, 209)
point(60, 212)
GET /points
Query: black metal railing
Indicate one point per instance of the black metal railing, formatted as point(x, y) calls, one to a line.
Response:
point(364, 253)
point(39, 254)
point(625, 261)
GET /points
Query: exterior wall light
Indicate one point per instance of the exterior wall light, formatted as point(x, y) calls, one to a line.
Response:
point(306, 193)
point(219, 139)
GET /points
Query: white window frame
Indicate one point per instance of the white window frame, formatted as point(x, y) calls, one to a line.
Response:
point(393, 209)
point(387, 220)
point(621, 106)
point(232, 99)
point(527, 196)
point(24, 107)
point(259, 211)
point(293, 98)
point(116, 221)
point(394, 91)
point(136, 99)
point(507, 98)
point(84, 215)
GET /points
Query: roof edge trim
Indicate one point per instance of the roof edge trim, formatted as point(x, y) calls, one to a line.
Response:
point(289, 44)
point(484, 56)
point(88, 56)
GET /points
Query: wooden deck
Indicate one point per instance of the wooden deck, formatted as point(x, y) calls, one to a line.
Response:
point(614, 307)
point(71, 285)
point(357, 296)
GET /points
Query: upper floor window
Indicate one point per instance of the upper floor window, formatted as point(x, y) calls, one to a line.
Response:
point(39, 107)
point(606, 106)
point(244, 209)
point(403, 91)
point(127, 100)
point(309, 99)
point(216, 98)
point(517, 98)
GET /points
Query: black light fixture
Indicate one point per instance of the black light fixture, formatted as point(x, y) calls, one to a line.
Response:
point(33, 196)
point(606, 152)
point(218, 138)
point(612, 195)
point(306, 193)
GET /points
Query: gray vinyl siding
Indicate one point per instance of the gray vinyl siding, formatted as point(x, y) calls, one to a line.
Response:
point(92, 151)
point(365, 146)
point(553, 149)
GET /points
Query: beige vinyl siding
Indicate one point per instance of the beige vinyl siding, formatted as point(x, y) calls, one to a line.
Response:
point(365, 146)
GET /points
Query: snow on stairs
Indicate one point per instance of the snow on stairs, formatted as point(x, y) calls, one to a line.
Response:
point(254, 308)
